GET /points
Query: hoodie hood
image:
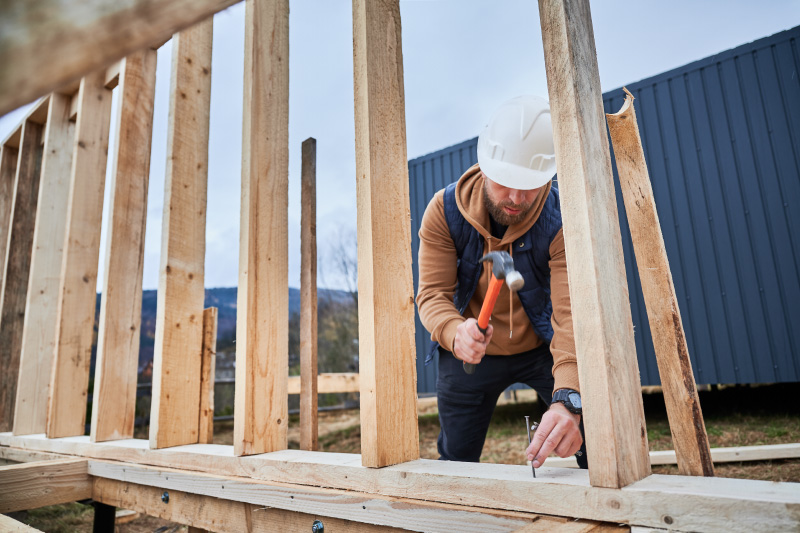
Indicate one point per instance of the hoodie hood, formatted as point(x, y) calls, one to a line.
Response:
point(470, 197)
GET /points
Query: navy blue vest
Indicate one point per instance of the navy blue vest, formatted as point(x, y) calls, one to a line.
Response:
point(531, 259)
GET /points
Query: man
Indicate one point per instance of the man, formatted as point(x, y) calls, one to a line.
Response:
point(505, 202)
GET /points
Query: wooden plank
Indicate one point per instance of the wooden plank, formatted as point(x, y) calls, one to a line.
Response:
point(119, 327)
point(216, 514)
point(616, 439)
point(77, 296)
point(209, 359)
point(39, 328)
point(175, 411)
point(261, 407)
point(329, 383)
point(18, 455)
point(8, 171)
point(114, 69)
point(32, 485)
point(48, 43)
point(17, 265)
point(387, 358)
point(672, 353)
point(678, 502)
point(9, 525)
point(309, 437)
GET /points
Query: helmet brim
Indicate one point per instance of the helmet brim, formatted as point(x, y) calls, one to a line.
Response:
point(514, 176)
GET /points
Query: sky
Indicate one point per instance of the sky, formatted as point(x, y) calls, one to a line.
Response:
point(462, 58)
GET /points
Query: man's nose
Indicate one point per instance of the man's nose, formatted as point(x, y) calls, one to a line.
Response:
point(517, 196)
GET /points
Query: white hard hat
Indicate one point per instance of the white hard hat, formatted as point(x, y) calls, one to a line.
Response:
point(516, 147)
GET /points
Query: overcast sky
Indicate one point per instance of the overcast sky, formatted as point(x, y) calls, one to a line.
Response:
point(461, 59)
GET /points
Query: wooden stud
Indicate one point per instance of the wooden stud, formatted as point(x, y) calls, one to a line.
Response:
point(31, 485)
point(39, 329)
point(18, 455)
point(616, 439)
point(209, 358)
point(329, 383)
point(119, 327)
point(13, 526)
point(48, 43)
point(309, 438)
point(77, 295)
point(17, 265)
point(389, 432)
point(672, 353)
point(175, 411)
point(8, 171)
point(261, 407)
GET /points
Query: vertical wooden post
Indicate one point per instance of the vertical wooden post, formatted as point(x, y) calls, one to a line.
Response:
point(308, 298)
point(77, 294)
point(17, 266)
point(8, 171)
point(175, 411)
point(616, 439)
point(389, 432)
point(114, 400)
point(39, 330)
point(207, 372)
point(672, 354)
point(262, 327)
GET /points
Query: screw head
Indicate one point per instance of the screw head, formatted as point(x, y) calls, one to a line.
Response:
point(317, 527)
point(165, 497)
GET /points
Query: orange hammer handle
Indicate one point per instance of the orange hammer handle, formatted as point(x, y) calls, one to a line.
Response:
point(488, 303)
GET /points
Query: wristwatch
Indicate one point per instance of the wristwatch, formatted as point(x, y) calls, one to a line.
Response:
point(571, 400)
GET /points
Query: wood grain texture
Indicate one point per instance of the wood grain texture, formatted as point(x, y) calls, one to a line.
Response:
point(119, 327)
point(14, 291)
point(262, 333)
point(329, 383)
point(309, 431)
point(387, 357)
point(31, 485)
point(49, 43)
point(9, 525)
point(207, 372)
point(175, 411)
point(77, 294)
point(616, 439)
point(39, 328)
point(683, 503)
point(18, 455)
point(8, 171)
point(669, 340)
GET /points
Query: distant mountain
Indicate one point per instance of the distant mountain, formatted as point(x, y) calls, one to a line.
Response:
point(224, 299)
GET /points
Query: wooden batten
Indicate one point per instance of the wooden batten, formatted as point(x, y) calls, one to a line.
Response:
point(69, 381)
point(39, 330)
point(262, 334)
point(309, 432)
point(13, 294)
point(389, 432)
point(8, 172)
point(32, 485)
point(616, 438)
point(175, 411)
point(207, 373)
point(119, 327)
point(669, 340)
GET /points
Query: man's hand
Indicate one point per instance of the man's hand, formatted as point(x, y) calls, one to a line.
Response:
point(557, 432)
point(470, 344)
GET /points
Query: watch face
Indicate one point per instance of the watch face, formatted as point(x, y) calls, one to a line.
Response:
point(575, 399)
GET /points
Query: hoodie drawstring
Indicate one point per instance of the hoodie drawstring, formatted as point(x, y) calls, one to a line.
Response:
point(511, 298)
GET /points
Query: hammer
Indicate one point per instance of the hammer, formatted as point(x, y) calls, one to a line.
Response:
point(502, 269)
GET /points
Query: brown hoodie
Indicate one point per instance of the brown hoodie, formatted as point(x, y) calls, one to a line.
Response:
point(513, 332)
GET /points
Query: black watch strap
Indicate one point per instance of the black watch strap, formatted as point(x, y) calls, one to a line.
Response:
point(571, 400)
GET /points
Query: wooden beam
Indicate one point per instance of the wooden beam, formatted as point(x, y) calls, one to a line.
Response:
point(77, 295)
point(309, 438)
point(175, 411)
point(389, 432)
point(18, 455)
point(119, 327)
point(10, 525)
point(16, 270)
point(8, 171)
point(207, 372)
point(616, 439)
point(48, 43)
point(672, 353)
point(216, 514)
point(31, 485)
point(677, 502)
point(329, 383)
point(262, 333)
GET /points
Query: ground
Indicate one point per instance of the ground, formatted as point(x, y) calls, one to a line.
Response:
point(734, 416)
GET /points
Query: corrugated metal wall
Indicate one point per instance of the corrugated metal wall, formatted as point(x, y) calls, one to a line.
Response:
point(722, 142)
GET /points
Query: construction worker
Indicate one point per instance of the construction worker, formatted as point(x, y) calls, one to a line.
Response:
point(506, 202)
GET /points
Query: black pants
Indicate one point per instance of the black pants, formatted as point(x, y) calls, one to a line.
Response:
point(467, 401)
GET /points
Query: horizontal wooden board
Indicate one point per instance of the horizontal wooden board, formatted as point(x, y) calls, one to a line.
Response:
point(31, 485)
point(329, 383)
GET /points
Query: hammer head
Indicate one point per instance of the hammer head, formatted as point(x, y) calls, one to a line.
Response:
point(503, 268)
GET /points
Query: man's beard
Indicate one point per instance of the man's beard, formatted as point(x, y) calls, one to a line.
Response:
point(500, 216)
